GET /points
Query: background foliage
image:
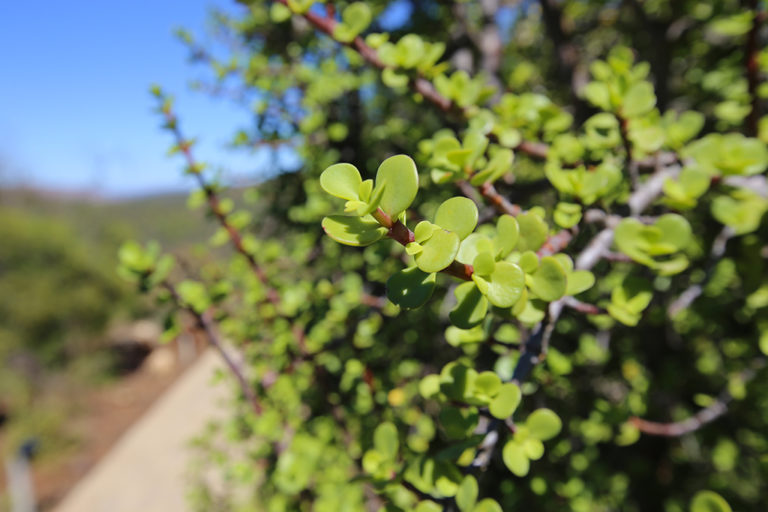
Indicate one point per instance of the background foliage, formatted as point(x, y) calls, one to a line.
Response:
point(620, 140)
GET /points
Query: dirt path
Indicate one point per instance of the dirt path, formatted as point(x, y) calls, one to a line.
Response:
point(145, 470)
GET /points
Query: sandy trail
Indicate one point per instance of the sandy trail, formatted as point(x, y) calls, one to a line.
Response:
point(145, 470)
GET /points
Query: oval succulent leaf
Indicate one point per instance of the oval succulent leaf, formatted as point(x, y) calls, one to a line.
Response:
point(507, 233)
point(543, 424)
point(410, 288)
point(398, 175)
point(471, 306)
point(473, 245)
point(505, 285)
point(549, 282)
point(675, 230)
point(342, 180)
point(506, 401)
point(351, 230)
point(579, 281)
point(385, 440)
point(438, 252)
point(515, 459)
point(533, 232)
point(466, 495)
point(457, 214)
point(709, 501)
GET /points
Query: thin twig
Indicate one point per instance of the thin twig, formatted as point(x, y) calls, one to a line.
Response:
point(205, 321)
point(214, 204)
point(701, 418)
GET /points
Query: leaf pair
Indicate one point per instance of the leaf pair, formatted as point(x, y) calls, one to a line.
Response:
point(669, 235)
point(396, 186)
point(527, 442)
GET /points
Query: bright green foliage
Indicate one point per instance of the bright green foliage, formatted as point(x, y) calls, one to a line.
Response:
point(526, 444)
point(357, 231)
point(730, 154)
point(629, 300)
point(411, 287)
point(354, 19)
point(708, 501)
point(668, 236)
point(742, 210)
point(506, 401)
point(564, 257)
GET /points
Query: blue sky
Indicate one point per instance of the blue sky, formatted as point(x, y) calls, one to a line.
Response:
point(75, 112)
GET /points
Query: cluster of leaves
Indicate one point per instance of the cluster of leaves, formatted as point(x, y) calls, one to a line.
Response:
point(518, 297)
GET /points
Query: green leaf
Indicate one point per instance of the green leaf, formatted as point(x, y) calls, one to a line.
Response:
point(457, 214)
point(543, 424)
point(354, 19)
point(567, 215)
point(675, 231)
point(393, 79)
point(504, 286)
point(533, 448)
point(471, 306)
point(484, 264)
point(429, 386)
point(428, 506)
point(533, 232)
point(506, 401)
point(385, 440)
point(466, 495)
point(639, 100)
point(410, 288)
point(629, 300)
point(507, 234)
point(742, 211)
point(342, 180)
point(499, 164)
point(549, 282)
point(194, 294)
point(709, 501)
point(631, 237)
point(439, 251)
point(733, 25)
point(473, 245)
point(353, 230)
point(424, 231)
point(487, 505)
point(279, 13)
point(597, 93)
point(133, 256)
point(671, 233)
point(487, 385)
point(579, 281)
point(515, 459)
point(398, 175)
point(728, 154)
point(529, 262)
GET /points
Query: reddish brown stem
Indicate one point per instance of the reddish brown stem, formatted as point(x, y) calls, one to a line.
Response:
point(499, 202)
point(400, 233)
point(214, 204)
point(557, 242)
point(206, 323)
point(701, 418)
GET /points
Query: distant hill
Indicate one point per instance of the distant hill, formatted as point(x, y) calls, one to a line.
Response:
point(164, 218)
